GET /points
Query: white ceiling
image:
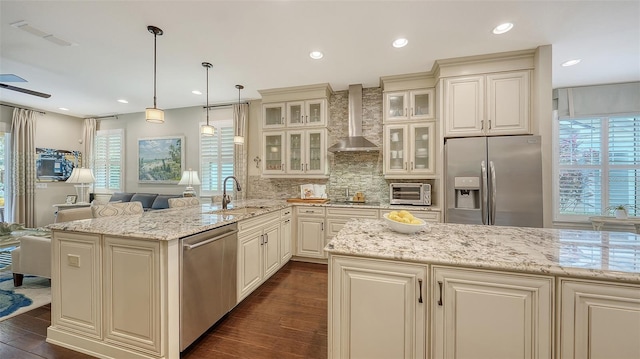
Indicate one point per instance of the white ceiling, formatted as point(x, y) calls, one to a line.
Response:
point(265, 44)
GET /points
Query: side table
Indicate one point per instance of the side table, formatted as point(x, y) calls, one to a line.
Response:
point(599, 221)
point(63, 206)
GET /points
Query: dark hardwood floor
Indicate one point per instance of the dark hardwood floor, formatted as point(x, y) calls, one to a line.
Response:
point(285, 318)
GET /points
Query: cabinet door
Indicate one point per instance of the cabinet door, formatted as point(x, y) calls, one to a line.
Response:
point(271, 249)
point(316, 152)
point(598, 320)
point(508, 103)
point(377, 309)
point(396, 157)
point(295, 114)
point(421, 104)
point(422, 145)
point(311, 237)
point(249, 262)
point(396, 106)
point(296, 154)
point(315, 112)
point(273, 115)
point(464, 106)
point(285, 241)
point(483, 314)
point(273, 153)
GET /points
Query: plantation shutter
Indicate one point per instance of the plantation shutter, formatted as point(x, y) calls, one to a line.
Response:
point(217, 158)
point(108, 160)
point(624, 163)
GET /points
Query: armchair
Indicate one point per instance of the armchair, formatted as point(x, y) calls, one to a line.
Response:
point(32, 257)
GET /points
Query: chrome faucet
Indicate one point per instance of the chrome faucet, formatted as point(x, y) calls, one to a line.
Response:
point(225, 196)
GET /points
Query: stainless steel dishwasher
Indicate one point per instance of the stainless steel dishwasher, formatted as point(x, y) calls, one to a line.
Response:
point(207, 280)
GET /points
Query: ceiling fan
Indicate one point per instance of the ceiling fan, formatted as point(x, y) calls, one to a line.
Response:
point(14, 78)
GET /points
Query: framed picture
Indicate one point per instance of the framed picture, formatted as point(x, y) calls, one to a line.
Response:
point(71, 199)
point(160, 159)
point(56, 165)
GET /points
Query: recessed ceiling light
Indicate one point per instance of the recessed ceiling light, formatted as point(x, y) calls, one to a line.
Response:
point(196, 92)
point(502, 28)
point(63, 108)
point(316, 55)
point(401, 42)
point(123, 101)
point(571, 62)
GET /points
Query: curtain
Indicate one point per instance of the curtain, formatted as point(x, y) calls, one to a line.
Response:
point(88, 140)
point(240, 115)
point(23, 165)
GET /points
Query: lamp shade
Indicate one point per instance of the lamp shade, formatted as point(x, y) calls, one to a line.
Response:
point(238, 140)
point(154, 115)
point(81, 175)
point(189, 178)
point(207, 130)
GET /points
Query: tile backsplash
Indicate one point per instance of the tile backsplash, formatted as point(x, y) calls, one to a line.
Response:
point(357, 171)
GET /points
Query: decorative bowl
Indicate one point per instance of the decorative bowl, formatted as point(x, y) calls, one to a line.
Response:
point(404, 227)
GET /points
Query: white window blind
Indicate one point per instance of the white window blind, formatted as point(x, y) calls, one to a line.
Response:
point(217, 158)
point(598, 166)
point(108, 167)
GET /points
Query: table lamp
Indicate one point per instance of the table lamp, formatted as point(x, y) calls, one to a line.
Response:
point(189, 178)
point(84, 177)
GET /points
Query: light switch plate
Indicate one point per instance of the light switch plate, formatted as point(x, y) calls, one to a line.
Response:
point(73, 260)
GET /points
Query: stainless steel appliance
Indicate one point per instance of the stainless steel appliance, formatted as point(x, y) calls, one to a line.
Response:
point(494, 181)
point(207, 280)
point(417, 194)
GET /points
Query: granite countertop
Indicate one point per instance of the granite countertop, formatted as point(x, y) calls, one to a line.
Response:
point(573, 253)
point(172, 223)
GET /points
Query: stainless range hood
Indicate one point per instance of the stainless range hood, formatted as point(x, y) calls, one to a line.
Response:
point(355, 141)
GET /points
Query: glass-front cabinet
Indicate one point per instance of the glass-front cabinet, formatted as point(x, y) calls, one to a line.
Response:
point(306, 113)
point(409, 105)
point(306, 152)
point(273, 115)
point(295, 155)
point(273, 153)
point(409, 149)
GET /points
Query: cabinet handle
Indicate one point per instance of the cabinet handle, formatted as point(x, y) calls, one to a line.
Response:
point(405, 166)
point(482, 125)
point(420, 289)
point(309, 211)
point(266, 238)
point(405, 111)
point(322, 226)
point(282, 166)
point(306, 119)
point(413, 113)
point(440, 300)
point(489, 124)
point(262, 239)
point(412, 165)
point(287, 221)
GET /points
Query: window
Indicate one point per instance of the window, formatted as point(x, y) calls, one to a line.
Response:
point(217, 158)
point(597, 166)
point(108, 167)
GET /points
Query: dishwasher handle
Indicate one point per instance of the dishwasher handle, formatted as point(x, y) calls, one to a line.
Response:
point(193, 246)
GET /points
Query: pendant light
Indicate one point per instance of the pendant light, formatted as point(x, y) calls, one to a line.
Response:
point(207, 130)
point(238, 139)
point(154, 115)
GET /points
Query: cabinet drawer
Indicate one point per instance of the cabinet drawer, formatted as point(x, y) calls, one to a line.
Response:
point(286, 212)
point(309, 211)
point(248, 224)
point(352, 213)
point(427, 216)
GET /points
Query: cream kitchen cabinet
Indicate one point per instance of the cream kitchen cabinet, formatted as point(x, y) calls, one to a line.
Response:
point(486, 314)
point(310, 232)
point(337, 217)
point(409, 150)
point(598, 320)
point(285, 235)
point(487, 105)
point(273, 152)
point(273, 115)
point(306, 153)
point(395, 292)
point(307, 113)
point(408, 105)
point(258, 251)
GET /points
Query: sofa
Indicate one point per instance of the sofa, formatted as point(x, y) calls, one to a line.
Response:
point(149, 201)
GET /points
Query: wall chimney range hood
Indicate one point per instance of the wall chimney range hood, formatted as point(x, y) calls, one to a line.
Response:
point(355, 142)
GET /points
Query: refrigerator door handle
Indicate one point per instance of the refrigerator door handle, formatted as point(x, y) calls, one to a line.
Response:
point(492, 207)
point(483, 191)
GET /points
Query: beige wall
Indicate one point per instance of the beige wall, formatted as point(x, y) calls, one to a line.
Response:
point(58, 131)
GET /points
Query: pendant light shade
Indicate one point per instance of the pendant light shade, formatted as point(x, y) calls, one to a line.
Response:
point(207, 130)
point(238, 139)
point(154, 114)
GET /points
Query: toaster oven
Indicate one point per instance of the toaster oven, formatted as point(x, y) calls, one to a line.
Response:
point(417, 194)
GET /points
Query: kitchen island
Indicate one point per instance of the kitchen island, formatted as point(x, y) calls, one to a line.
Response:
point(483, 291)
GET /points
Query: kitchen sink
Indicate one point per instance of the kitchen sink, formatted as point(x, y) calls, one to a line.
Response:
point(237, 210)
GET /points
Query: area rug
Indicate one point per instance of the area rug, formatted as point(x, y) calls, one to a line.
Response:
point(34, 293)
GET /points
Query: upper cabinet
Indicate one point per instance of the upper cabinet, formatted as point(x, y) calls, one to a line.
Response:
point(409, 150)
point(487, 104)
point(408, 105)
point(294, 134)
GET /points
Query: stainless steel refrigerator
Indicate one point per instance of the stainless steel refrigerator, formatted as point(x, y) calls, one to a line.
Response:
point(494, 181)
